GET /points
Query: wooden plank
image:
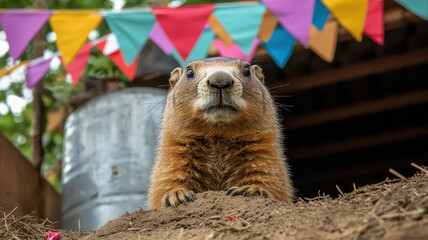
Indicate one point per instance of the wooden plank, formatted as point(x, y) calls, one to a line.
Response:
point(23, 187)
point(352, 71)
point(362, 108)
point(359, 143)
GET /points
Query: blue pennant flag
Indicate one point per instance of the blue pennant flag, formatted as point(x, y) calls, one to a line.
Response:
point(321, 13)
point(199, 51)
point(280, 46)
point(418, 7)
point(242, 22)
point(132, 31)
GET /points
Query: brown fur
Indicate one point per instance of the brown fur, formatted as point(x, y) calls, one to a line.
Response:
point(243, 154)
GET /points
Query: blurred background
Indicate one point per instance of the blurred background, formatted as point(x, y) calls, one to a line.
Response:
point(345, 122)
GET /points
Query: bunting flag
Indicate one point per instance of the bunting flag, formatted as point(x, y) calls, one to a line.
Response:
point(267, 26)
point(183, 25)
point(106, 46)
point(6, 71)
point(158, 36)
point(234, 51)
point(350, 14)
point(418, 7)
point(219, 30)
point(374, 26)
point(242, 22)
point(132, 31)
point(76, 67)
point(72, 29)
point(323, 43)
point(199, 51)
point(295, 16)
point(321, 14)
point(36, 70)
point(280, 46)
point(20, 27)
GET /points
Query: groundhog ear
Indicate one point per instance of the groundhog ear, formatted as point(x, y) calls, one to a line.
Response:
point(259, 73)
point(175, 76)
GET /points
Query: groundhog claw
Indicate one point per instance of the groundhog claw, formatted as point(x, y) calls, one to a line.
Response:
point(175, 197)
point(247, 190)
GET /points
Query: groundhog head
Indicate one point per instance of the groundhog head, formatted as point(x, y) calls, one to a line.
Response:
point(218, 90)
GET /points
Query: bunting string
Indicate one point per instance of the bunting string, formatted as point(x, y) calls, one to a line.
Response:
point(187, 33)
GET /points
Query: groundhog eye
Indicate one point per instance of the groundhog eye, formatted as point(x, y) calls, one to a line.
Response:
point(247, 71)
point(189, 73)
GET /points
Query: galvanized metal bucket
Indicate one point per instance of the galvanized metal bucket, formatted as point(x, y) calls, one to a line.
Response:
point(109, 149)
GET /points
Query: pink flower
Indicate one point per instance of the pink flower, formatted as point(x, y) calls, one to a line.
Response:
point(52, 236)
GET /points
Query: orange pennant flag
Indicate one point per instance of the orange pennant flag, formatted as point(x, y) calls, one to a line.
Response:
point(268, 25)
point(72, 29)
point(6, 71)
point(219, 30)
point(323, 43)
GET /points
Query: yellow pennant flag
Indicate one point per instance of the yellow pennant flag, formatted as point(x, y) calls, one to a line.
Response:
point(6, 71)
point(351, 14)
point(219, 30)
point(268, 25)
point(324, 43)
point(72, 29)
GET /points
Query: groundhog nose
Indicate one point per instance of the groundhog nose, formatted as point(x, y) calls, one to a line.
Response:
point(220, 80)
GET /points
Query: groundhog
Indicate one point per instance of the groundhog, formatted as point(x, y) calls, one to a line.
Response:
point(220, 131)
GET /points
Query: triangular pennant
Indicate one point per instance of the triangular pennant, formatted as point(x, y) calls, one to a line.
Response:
point(323, 43)
point(267, 26)
point(418, 7)
point(242, 22)
point(374, 26)
point(76, 67)
point(200, 50)
point(183, 25)
point(6, 71)
point(294, 16)
point(117, 58)
point(159, 38)
point(321, 14)
point(219, 30)
point(111, 45)
point(72, 29)
point(235, 52)
point(36, 70)
point(350, 14)
point(132, 31)
point(20, 27)
point(280, 46)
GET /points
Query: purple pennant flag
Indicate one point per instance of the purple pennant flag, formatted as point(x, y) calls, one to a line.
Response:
point(294, 16)
point(36, 70)
point(20, 27)
point(159, 37)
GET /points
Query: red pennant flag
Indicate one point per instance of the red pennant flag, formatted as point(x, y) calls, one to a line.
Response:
point(374, 25)
point(76, 67)
point(118, 59)
point(183, 25)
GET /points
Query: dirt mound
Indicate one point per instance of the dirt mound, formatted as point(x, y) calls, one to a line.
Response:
point(389, 210)
point(393, 209)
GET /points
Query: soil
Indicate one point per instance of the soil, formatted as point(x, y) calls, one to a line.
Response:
point(393, 209)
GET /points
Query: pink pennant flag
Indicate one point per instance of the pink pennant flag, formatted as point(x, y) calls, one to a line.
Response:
point(159, 37)
point(36, 70)
point(234, 51)
point(76, 67)
point(20, 27)
point(374, 26)
point(294, 16)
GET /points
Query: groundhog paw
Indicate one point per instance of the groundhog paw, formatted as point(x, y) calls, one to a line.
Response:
point(175, 197)
point(248, 190)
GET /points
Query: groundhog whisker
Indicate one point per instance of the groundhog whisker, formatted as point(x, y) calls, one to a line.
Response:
point(279, 86)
